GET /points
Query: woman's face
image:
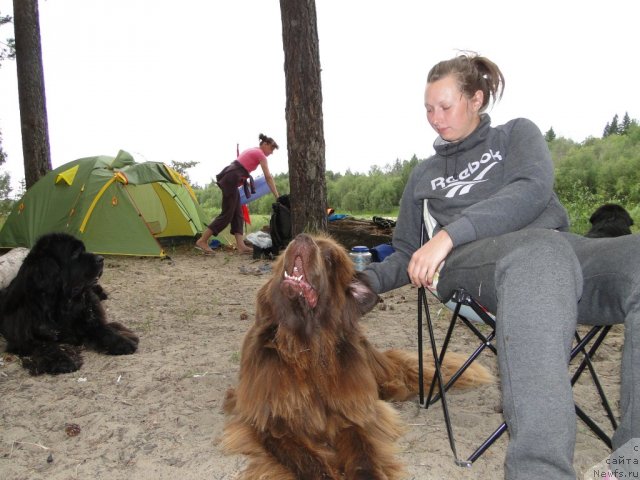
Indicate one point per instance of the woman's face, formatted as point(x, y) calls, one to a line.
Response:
point(267, 149)
point(449, 112)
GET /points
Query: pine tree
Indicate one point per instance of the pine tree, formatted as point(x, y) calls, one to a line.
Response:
point(606, 131)
point(303, 111)
point(31, 94)
point(614, 129)
point(550, 136)
point(626, 123)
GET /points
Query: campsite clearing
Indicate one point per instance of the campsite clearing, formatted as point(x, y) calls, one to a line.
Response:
point(156, 414)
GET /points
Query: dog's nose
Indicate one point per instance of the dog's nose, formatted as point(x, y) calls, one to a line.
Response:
point(99, 259)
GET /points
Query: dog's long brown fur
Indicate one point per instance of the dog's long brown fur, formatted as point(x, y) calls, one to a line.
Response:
point(310, 398)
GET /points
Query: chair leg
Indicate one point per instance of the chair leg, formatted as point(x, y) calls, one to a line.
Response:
point(424, 306)
point(488, 442)
point(587, 346)
point(581, 344)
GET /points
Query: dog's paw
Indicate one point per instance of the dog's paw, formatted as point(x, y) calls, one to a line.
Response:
point(113, 339)
point(53, 360)
point(124, 331)
point(99, 291)
point(122, 346)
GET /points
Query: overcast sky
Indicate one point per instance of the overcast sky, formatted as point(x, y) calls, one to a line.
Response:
point(188, 80)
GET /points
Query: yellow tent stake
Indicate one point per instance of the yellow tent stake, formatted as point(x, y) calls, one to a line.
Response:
point(94, 202)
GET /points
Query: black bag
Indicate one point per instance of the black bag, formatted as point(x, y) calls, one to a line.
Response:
point(280, 224)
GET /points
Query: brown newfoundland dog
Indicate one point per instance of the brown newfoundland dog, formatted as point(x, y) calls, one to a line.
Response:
point(309, 402)
point(53, 306)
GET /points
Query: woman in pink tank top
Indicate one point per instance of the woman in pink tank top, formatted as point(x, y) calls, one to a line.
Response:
point(229, 179)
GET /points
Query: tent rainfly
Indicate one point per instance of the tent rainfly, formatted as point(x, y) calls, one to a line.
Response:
point(114, 205)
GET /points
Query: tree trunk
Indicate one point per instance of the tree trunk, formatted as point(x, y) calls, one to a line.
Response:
point(33, 109)
point(305, 130)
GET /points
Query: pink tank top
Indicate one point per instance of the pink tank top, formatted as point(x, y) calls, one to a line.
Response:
point(250, 158)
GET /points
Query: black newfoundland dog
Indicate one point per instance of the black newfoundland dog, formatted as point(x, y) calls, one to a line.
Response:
point(610, 220)
point(53, 306)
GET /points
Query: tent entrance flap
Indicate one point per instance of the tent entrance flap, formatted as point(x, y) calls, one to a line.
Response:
point(150, 207)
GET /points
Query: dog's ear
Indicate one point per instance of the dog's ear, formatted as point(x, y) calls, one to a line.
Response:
point(43, 273)
point(362, 293)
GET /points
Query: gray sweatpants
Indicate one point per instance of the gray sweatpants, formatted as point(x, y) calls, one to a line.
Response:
point(540, 283)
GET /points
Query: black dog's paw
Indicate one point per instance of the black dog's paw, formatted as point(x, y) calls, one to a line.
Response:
point(124, 346)
point(53, 359)
point(99, 291)
point(124, 331)
point(115, 339)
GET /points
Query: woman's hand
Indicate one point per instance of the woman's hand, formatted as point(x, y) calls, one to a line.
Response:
point(426, 261)
point(269, 179)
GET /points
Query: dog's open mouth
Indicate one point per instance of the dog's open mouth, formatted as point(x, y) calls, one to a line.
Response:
point(295, 283)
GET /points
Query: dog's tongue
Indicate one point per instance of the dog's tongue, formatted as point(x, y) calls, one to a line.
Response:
point(295, 283)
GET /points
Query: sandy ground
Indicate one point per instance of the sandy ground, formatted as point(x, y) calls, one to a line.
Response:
point(157, 414)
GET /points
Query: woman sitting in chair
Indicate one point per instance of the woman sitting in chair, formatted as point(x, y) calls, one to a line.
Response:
point(502, 234)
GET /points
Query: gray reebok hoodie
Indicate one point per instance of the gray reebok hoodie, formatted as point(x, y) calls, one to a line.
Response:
point(495, 181)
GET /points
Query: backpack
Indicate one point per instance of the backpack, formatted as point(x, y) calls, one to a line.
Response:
point(280, 224)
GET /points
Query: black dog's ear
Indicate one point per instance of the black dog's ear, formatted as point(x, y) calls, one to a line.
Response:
point(361, 291)
point(40, 273)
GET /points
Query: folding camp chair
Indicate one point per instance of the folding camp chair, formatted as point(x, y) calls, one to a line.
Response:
point(468, 312)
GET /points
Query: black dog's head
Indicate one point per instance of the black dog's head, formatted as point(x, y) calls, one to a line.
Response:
point(610, 220)
point(59, 264)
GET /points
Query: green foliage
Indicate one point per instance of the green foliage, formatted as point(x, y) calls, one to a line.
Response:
point(7, 48)
point(5, 190)
point(182, 167)
point(608, 167)
point(560, 148)
point(614, 128)
point(580, 203)
point(626, 124)
point(7, 51)
point(599, 171)
point(3, 155)
point(550, 135)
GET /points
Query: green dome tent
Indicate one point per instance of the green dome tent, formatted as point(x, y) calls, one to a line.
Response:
point(114, 205)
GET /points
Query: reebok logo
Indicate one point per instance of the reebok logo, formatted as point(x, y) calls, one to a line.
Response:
point(466, 179)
